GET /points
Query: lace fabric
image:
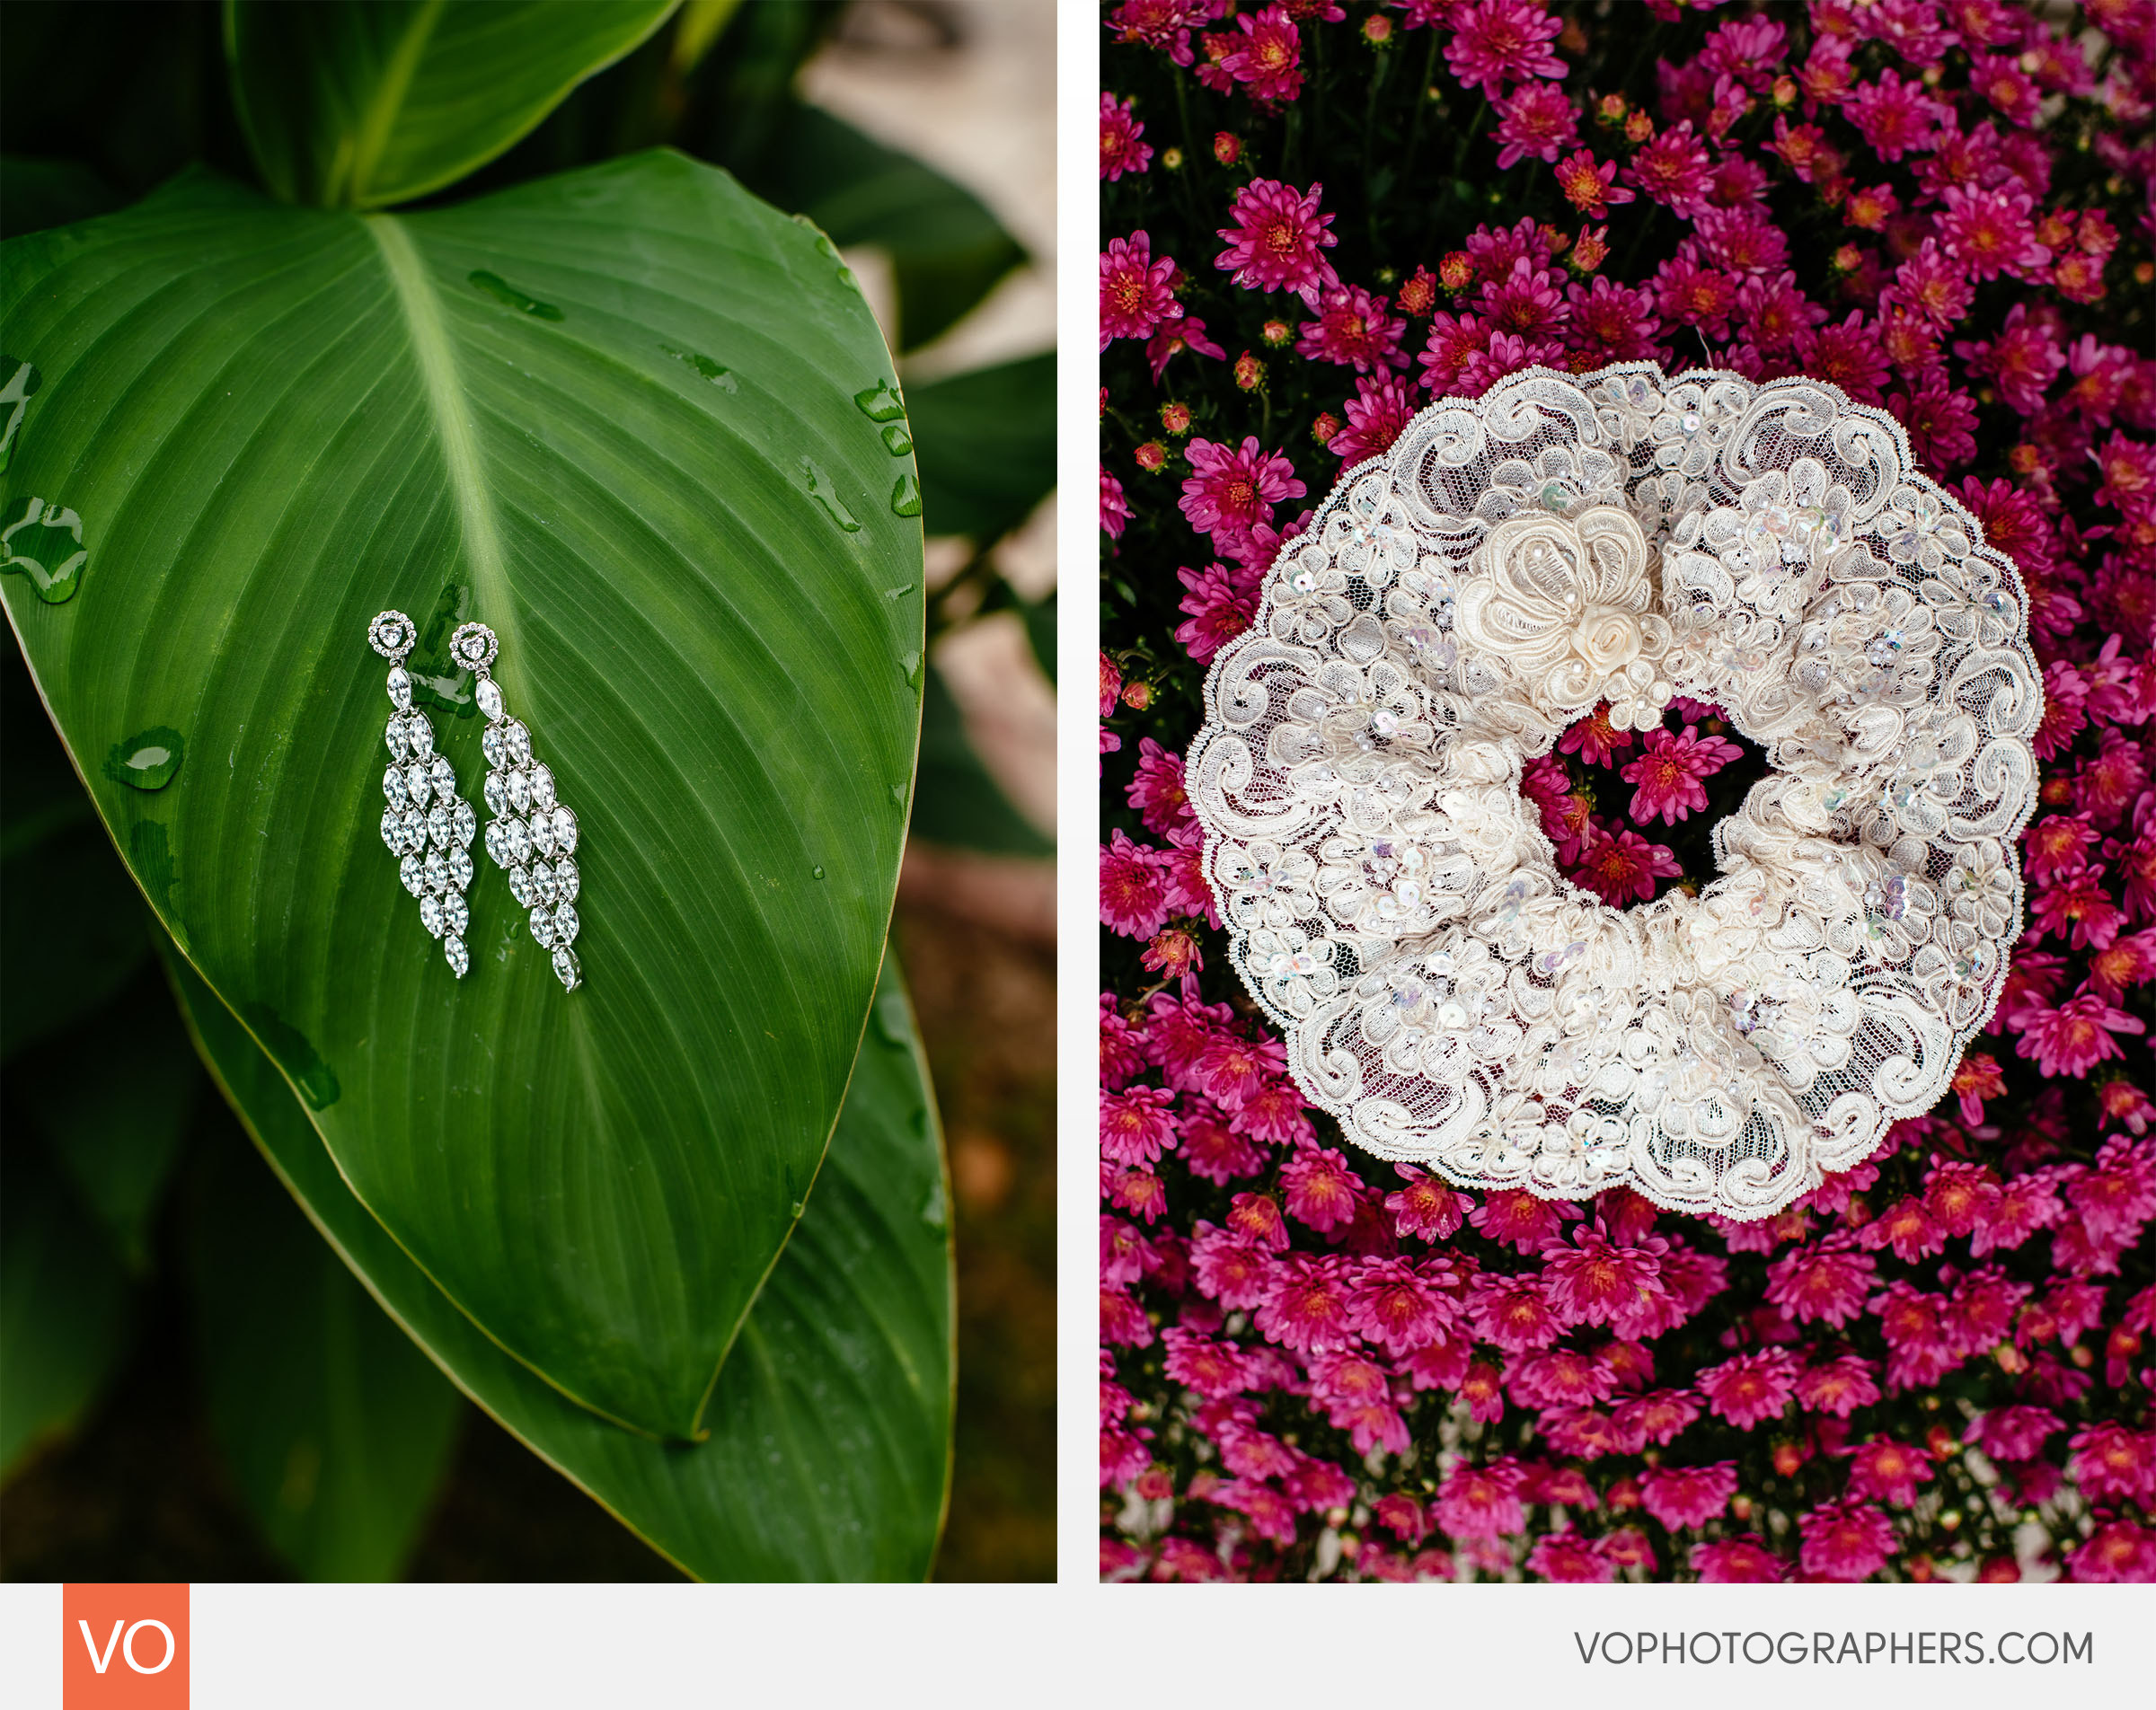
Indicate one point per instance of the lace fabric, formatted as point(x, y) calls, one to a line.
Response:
point(1393, 904)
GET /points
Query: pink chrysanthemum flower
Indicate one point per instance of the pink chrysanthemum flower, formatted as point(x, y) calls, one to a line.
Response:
point(1654, 1418)
point(1277, 240)
point(1735, 1561)
point(1566, 1558)
point(1481, 1501)
point(1849, 354)
point(1696, 297)
point(1597, 1282)
point(1157, 791)
point(1135, 294)
point(1135, 1125)
point(1750, 1389)
point(1163, 24)
point(1454, 342)
point(1172, 337)
point(1826, 1283)
point(1844, 1540)
point(1322, 1191)
point(1623, 867)
point(1115, 514)
point(1513, 1313)
point(1529, 300)
point(1991, 232)
point(1121, 148)
point(2075, 1038)
point(1269, 57)
point(1399, 1308)
point(1940, 421)
point(1382, 405)
point(1536, 123)
point(1687, 1496)
point(1230, 490)
point(1133, 899)
point(1508, 353)
point(1593, 738)
point(1742, 240)
point(2121, 1553)
point(1670, 771)
point(1894, 114)
point(2024, 359)
point(1221, 604)
point(1889, 1472)
point(1590, 186)
point(2076, 905)
point(1609, 322)
point(1838, 1386)
point(1306, 1308)
point(1773, 311)
point(1671, 169)
point(1354, 329)
point(1496, 43)
point(1934, 286)
point(1426, 1208)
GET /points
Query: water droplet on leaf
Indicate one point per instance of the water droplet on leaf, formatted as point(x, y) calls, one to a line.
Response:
point(897, 441)
point(880, 402)
point(43, 544)
point(819, 489)
point(716, 373)
point(905, 497)
point(18, 380)
point(147, 761)
point(502, 291)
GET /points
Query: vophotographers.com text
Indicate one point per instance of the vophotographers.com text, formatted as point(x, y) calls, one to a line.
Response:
point(1761, 1648)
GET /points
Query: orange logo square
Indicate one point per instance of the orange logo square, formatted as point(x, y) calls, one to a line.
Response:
point(123, 1647)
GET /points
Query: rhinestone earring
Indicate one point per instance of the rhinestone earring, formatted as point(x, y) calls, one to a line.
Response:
point(425, 822)
point(531, 836)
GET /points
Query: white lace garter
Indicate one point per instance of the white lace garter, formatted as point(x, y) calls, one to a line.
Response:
point(1515, 560)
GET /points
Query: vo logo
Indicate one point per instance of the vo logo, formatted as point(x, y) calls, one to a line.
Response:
point(124, 1647)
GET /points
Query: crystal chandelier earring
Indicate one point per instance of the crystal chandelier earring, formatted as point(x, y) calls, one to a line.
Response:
point(531, 835)
point(425, 822)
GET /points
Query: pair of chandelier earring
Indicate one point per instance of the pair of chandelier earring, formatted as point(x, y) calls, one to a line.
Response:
point(530, 835)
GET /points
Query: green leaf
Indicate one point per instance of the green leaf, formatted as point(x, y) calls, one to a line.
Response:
point(112, 1100)
point(947, 250)
point(695, 546)
point(64, 1307)
point(337, 1430)
point(363, 103)
point(829, 1452)
point(986, 442)
point(957, 801)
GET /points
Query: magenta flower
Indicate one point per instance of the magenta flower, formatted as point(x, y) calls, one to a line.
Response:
point(1184, 332)
point(1135, 1125)
point(1609, 323)
point(1673, 170)
point(1268, 56)
point(1322, 1191)
point(1889, 1472)
point(1688, 1496)
point(1848, 354)
point(1276, 241)
point(1163, 24)
point(2120, 1553)
point(1481, 1501)
point(1894, 114)
point(1133, 900)
point(1622, 866)
point(1590, 186)
point(1654, 1418)
point(1538, 123)
point(1826, 1283)
point(1426, 1208)
point(1735, 1561)
point(1838, 1386)
point(1382, 405)
point(1115, 513)
point(1495, 42)
point(1399, 1309)
point(1220, 603)
point(1121, 149)
point(1135, 294)
point(1593, 738)
point(1990, 232)
point(1844, 1540)
point(1568, 1559)
point(1306, 1305)
point(2075, 1038)
point(1354, 329)
point(1229, 491)
point(1512, 1312)
point(1750, 1389)
point(1597, 1282)
point(1941, 422)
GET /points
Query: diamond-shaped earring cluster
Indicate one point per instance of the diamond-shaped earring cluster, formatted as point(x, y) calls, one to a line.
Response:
point(531, 835)
point(425, 822)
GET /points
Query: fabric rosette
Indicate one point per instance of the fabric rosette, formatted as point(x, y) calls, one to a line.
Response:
point(1513, 561)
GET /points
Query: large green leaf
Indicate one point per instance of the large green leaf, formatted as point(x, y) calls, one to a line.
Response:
point(987, 445)
point(633, 446)
point(363, 103)
point(336, 1428)
point(829, 1449)
point(63, 1304)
